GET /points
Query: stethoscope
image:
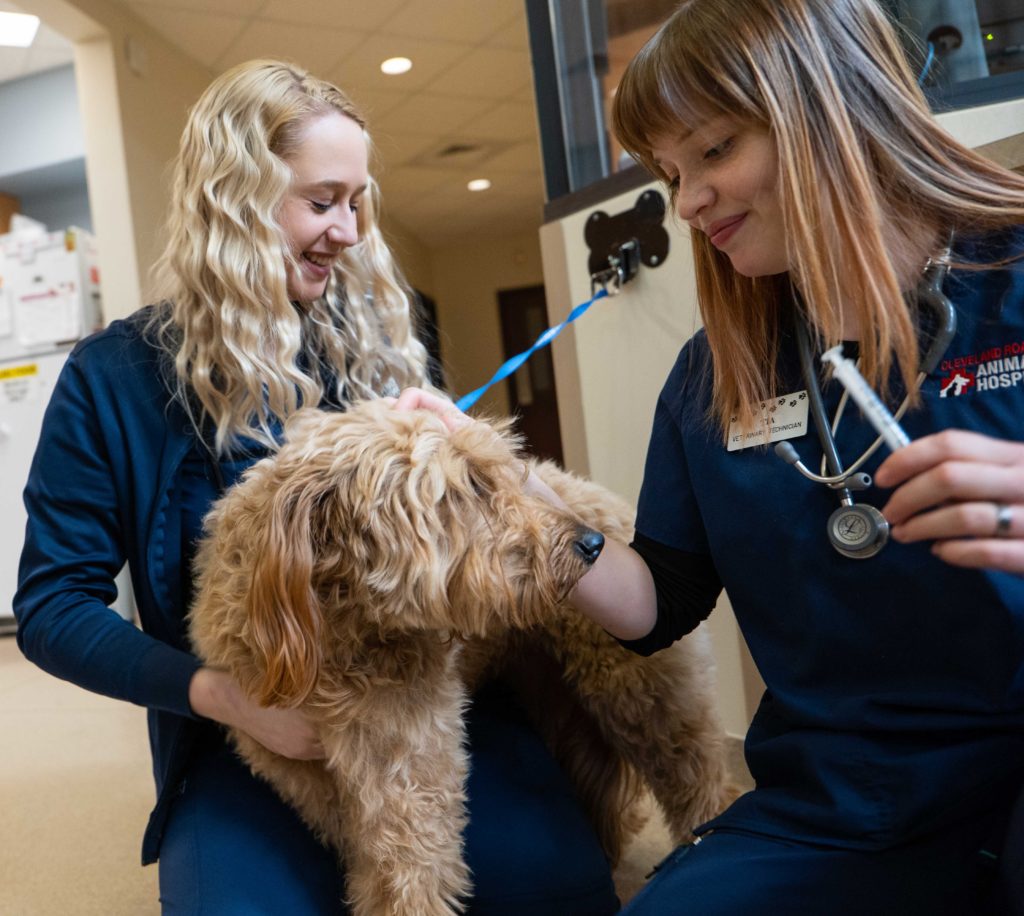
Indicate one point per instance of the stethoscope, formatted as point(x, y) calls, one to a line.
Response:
point(854, 529)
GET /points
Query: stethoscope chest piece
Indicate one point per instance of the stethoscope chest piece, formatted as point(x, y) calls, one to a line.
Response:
point(858, 531)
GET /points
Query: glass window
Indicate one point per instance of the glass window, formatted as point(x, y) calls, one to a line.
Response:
point(969, 52)
point(964, 41)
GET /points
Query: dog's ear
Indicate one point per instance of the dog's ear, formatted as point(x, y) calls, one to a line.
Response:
point(285, 619)
point(491, 448)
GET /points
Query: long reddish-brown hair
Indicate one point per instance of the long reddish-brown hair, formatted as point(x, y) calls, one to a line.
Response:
point(860, 156)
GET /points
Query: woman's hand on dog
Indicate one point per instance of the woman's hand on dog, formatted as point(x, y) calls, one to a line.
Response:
point(216, 695)
point(453, 418)
point(618, 592)
point(418, 399)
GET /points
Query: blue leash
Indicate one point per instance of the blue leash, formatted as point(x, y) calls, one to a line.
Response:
point(510, 366)
point(927, 64)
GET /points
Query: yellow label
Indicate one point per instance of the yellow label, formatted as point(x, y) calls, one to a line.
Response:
point(19, 372)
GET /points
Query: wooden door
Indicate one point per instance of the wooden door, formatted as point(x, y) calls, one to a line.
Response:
point(531, 389)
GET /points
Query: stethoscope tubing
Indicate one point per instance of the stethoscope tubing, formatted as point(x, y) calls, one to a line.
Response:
point(929, 293)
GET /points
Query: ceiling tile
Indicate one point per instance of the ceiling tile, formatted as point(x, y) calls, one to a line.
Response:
point(354, 14)
point(403, 184)
point(218, 7)
point(361, 67)
point(455, 20)
point(471, 83)
point(49, 49)
point(313, 47)
point(201, 36)
point(527, 94)
point(514, 35)
point(373, 103)
point(490, 73)
point(395, 149)
point(507, 121)
point(48, 40)
point(457, 154)
point(522, 157)
point(454, 195)
point(515, 184)
point(444, 217)
point(433, 115)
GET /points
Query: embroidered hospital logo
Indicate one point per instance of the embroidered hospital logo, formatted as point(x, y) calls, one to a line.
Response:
point(956, 383)
point(992, 369)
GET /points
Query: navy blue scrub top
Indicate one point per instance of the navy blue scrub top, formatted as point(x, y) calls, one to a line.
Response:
point(200, 485)
point(895, 700)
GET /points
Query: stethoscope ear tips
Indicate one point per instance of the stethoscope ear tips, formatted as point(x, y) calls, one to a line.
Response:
point(786, 452)
point(859, 481)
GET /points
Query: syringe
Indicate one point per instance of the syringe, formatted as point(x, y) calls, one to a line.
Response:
point(877, 413)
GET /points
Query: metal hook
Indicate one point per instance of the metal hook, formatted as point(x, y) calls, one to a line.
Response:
point(622, 267)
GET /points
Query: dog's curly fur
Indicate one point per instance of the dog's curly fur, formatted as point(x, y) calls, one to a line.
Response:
point(373, 572)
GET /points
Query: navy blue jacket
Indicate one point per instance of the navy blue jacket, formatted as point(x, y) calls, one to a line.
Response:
point(100, 495)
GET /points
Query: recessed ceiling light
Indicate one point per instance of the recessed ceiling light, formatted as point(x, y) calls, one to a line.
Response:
point(395, 65)
point(17, 30)
point(479, 184)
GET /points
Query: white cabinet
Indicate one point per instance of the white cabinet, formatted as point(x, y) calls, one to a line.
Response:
point(49, 299)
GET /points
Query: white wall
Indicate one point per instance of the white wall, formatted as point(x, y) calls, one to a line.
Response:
point(467, 278)
point(985, 124)
point(43, 162)
point(41, 122)
point(61, 203)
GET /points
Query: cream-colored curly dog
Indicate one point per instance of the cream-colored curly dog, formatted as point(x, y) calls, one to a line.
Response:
point(372, 572)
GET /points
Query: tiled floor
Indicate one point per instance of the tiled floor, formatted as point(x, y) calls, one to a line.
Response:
point(75, 792)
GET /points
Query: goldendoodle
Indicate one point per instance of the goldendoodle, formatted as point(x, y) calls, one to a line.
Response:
point(373, 572)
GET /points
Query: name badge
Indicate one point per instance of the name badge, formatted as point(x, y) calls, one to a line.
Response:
point(783, 418)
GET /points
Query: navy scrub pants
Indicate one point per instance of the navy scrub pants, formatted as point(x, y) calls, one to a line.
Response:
point(232, 847)
point(731, 873)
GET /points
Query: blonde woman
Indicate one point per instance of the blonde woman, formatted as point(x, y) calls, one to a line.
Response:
point(277, 291)
point(821, 196)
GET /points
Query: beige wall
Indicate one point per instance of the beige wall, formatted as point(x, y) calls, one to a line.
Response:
point(411, 255)
point(467, 279)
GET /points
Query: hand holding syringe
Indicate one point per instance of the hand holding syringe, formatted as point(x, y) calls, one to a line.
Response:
point(877, 413)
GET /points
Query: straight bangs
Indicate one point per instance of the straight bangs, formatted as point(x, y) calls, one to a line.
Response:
point(687, 74)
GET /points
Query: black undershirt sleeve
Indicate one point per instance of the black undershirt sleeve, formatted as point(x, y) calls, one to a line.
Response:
point(687, 586)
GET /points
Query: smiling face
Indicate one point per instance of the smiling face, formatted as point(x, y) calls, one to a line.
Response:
point(318, 214)
point(724, 178)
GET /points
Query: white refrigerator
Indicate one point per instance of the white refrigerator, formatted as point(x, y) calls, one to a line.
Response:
point(49, 299)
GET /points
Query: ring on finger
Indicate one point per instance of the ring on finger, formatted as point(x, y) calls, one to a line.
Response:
point(1004, 520)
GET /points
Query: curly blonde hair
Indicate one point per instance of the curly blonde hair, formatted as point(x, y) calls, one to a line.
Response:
point(246, 357)
point(830, 81)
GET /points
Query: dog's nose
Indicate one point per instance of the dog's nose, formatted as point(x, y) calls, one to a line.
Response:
point(588, 544)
